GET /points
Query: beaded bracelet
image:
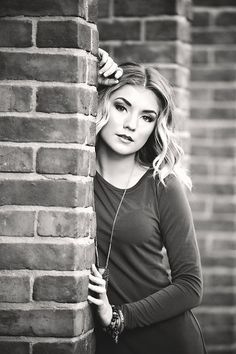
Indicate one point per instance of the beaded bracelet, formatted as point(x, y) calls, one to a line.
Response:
point(116, 327)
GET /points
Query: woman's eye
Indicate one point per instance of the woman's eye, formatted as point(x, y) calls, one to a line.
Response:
point(120, 107)
point(148, 118)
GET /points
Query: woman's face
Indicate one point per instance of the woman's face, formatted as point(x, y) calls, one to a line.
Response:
point(132, 117)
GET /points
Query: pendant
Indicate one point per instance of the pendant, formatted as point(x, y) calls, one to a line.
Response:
point(105, 274)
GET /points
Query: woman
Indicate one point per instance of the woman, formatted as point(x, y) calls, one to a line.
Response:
point(141, 207)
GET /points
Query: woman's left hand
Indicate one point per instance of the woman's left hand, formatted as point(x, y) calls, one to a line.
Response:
point(109, 72)
point(98, 285)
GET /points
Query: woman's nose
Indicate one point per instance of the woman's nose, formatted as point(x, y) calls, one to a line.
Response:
point(131, 122)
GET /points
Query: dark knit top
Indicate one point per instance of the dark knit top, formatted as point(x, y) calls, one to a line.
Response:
point(151, 216)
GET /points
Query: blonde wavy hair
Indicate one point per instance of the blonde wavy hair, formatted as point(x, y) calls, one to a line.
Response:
point(161, 151)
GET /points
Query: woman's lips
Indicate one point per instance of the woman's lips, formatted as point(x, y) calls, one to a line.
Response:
point(125, 137)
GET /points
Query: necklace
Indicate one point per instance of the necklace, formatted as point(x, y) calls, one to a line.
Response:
point(104, 271)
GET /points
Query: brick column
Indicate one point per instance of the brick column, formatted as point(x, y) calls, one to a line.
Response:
point(153, 32)
point(213, 129)
point(47, 161)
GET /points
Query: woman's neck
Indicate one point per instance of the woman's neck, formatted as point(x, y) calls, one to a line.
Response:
point(116, 169)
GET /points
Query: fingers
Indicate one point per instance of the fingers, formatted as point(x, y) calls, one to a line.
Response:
point(119, 73)
point(103, 56)
point(95, 301)
point(109, 72)
point(97, 285)
point(108, 67)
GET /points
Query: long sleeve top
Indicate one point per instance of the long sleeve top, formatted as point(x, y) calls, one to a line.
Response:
point(152, 217)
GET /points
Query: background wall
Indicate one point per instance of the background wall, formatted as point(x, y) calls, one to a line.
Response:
point(47, 132)
point(158, 32)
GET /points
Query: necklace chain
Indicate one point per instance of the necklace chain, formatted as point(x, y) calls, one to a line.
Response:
point(113, 227)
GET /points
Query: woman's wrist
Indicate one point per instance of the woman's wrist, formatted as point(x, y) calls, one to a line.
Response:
point(116, 325)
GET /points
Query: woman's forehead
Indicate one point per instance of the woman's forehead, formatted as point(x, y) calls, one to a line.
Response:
point(137, 96)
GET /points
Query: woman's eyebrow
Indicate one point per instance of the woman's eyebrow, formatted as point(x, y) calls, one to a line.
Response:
point(127, 102)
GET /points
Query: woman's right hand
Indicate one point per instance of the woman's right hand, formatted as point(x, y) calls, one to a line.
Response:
point(109, 72)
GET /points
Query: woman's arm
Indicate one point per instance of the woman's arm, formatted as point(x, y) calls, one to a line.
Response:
point(179, 238)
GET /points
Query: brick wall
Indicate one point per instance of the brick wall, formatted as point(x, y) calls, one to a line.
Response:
point(213, 113)
point(47, 161)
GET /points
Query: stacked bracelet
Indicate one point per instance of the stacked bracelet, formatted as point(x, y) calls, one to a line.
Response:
point(116, 327)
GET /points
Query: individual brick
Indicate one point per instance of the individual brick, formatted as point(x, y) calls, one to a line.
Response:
point(226, 18)
point(227, 56)
point(68, 289)
point(148, 53)
point(15, 98)
point(63, 161)
point(92, 10)
point(16, 159)
point(94, 42)
point(212, 36)
point(103, 8)
point(212, 113)
point(64, 99)
point(53, 130)
point(65, 223)
point(63, 34)
point(119, 30)
point(224, 94)
point(46, 256)
point(201, 18)
point(42, 67)
point(43, 322)
point(214, 3)
point(86, 344)
point(17, 223)
point(45, 192)
point(35, 8)
point(200, 56)
point(212, 75)
point(15, 33)
point(14, 289)
point(144, 8)
point(92, 80)
point(167, 30)
point(14, 347)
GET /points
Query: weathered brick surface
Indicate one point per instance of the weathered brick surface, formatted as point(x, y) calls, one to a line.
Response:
point(16, 159)
point(142, 8)
point(15, 98)
point(48, 102)
point(42, 67)
point(46, 256)
point(14, 288)
point(65, 34)
point(64, 161)
point(14, 347)
point(120, 30)
point(19, 33)
point(50, 8)
point(45, 192)
point(65, 224)
point(168, 29)
point(64, 100)
point(51, 130)
point(69, 289)
point(82, 345)
point(151, 53)
point(17, 222)
point(43, 322)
